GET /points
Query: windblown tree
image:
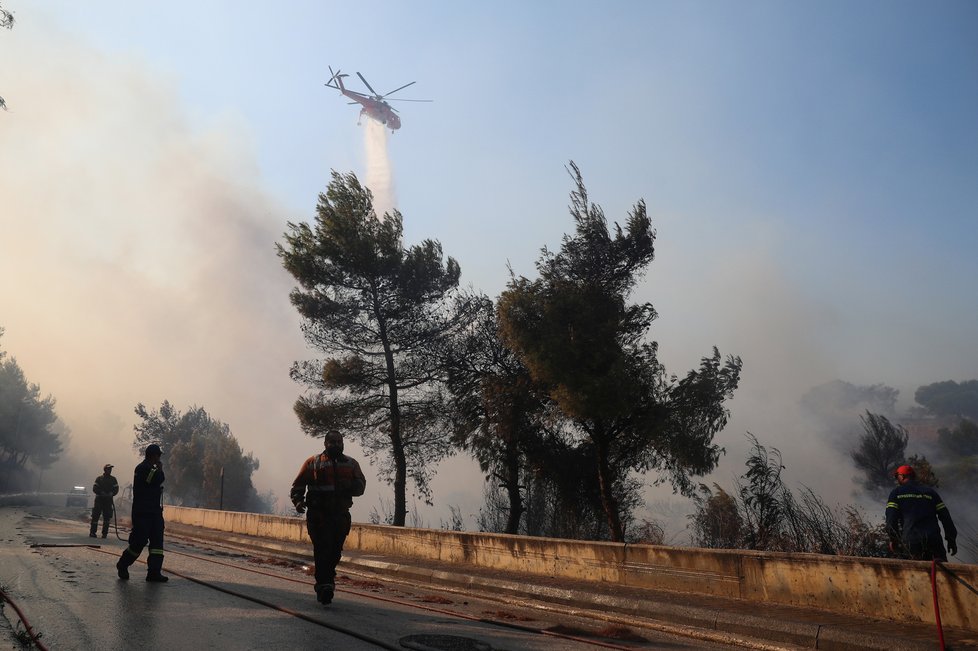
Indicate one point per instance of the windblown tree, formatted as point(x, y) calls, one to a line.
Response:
point(717, 522)
point(382, 314)
point(765, 514)
point(498, 412)
point(881, 448)
point(577, 334)
point(201, 453)
point(28, 432)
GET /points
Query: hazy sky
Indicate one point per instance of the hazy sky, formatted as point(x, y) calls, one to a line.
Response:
point(811, 169)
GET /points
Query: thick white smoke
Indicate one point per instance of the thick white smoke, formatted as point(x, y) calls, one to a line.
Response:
point(379, 177)
point(138, 260)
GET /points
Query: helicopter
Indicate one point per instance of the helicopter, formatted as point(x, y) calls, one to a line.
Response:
point(374, 106)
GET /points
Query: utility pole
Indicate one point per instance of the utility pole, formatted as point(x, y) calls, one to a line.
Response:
point(222, 489)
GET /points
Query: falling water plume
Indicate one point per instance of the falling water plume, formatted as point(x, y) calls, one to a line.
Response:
point(379, 178)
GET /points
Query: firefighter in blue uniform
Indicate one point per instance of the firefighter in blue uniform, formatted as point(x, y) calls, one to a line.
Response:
point(105, 488)
point(326, 485)
point(147, 517)
point(912, 512)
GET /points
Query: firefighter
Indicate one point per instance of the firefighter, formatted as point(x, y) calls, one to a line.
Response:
point(912, 512)
point(105, 488)
point(325, 486)
point(147, 517)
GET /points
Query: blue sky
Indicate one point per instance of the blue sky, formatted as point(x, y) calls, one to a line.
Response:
point(811, 168)
point(846, 121)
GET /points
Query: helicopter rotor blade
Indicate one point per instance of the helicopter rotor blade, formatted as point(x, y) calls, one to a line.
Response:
point(398, 99)
point(367, 84)
point(401, 88)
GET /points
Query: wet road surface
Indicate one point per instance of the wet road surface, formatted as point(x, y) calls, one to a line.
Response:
point(70, 593)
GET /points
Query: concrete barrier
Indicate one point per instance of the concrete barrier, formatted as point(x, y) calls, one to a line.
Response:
point(872, 587)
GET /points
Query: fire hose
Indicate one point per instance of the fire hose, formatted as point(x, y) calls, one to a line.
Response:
point(115, 521)
point(35, 637)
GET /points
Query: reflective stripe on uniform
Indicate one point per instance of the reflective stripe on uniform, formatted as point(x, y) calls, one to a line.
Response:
point(130, 551)
point(156, 551)
point(149, 475)
point(918, 496)
point(892, 505)
point(941, 506)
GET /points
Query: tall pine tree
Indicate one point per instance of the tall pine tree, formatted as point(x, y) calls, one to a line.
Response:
point(576, 332)
point(382, 314)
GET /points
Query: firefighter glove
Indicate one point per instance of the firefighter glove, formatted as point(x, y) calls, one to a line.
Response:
point(952, 547)
point(300, 507)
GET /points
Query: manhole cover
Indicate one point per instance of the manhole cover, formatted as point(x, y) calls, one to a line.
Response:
point(443, 643)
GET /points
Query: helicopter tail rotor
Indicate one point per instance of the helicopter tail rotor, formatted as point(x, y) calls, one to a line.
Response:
point(336, 79)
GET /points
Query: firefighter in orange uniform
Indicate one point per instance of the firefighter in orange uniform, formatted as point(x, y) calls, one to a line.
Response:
point(324, 490)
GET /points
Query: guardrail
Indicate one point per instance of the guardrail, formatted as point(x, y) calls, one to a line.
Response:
point(874, 587)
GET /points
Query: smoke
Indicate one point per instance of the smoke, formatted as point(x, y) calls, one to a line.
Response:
point(379, 176)
point(138, 262)
point(743, 299)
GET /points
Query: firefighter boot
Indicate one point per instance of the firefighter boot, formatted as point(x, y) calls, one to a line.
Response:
point(156, 577)
point(324, 593)
point(123, 570)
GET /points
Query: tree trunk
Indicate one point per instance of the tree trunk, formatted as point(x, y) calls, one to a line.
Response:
point(400, 467)
point(513, 488)
point(397, 441)
point(605, 481)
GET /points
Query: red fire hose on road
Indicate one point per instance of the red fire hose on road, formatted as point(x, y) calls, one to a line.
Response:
point(35, 637)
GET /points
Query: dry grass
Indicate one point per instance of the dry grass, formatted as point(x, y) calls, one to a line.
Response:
point(562, 629)
point(277, 562)
point(506, 616)
point(435, 599)
point(363, 584)
point(617, 632)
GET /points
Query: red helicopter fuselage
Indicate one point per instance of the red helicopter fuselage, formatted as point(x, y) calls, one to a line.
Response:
point(375, 105)
point(376, 109)
point(381, 112)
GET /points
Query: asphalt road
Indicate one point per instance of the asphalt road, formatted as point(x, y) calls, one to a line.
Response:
point(70, 593)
